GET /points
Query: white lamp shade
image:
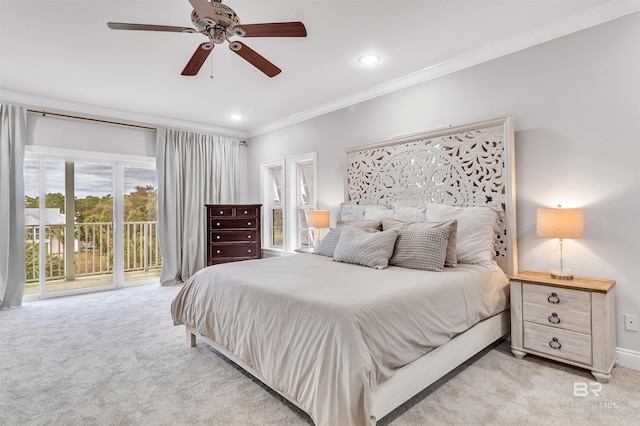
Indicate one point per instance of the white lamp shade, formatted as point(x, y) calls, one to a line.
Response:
point(560, 223)
point(318, 218)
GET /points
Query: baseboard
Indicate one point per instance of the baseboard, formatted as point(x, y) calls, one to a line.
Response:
point(628, 358)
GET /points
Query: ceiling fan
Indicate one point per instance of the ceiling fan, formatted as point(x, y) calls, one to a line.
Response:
point(219, 22)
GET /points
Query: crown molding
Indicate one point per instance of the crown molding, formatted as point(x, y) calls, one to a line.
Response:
point(588, 18)
point(92, 111)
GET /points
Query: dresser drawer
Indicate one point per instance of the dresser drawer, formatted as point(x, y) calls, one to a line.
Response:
point(220, 223)
point(563, 344)
point(233, 236)
point(245, 250)
point(220, 211)
point(246, 211)
point(555, 316)
point(557, 297)
point(234, 211)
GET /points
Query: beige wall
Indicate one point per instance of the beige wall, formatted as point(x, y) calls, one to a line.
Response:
point(576, 107)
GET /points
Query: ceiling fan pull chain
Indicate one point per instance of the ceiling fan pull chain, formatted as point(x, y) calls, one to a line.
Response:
point(211, 67)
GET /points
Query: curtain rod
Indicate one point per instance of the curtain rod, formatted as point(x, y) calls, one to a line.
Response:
point(117, 123)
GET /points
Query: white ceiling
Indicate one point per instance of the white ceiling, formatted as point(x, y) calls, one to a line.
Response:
point(62, 51)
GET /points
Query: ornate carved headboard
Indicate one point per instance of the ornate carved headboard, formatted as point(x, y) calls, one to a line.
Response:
point(470, 165)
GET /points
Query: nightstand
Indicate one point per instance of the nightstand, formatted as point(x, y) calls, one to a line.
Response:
point(571, 321)
point(305, 250)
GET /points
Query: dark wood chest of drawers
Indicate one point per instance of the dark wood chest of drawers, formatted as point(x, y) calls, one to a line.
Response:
point(233, 233)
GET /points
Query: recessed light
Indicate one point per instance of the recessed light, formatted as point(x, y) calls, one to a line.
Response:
point(235, 117)
point(369, 59)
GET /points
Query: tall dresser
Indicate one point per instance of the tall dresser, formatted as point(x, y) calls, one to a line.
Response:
point(233, 232)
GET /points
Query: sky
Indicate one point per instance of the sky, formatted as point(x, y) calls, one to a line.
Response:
point(90, 178)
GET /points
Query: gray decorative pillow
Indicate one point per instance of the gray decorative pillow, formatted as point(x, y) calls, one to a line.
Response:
point(372, 249)
point(328, 244)
point(409, 214)
point(422, 249)
point(451, 259)
point(350, 211)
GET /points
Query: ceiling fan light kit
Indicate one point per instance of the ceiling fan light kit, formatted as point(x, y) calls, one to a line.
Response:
point(219, 23)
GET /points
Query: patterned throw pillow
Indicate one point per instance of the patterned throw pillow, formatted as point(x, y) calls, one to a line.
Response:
point(328, 244)
point(372, 249)
point(422, 249)
point(451, 259)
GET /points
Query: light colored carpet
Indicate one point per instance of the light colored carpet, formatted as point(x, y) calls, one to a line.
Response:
point(115, 358)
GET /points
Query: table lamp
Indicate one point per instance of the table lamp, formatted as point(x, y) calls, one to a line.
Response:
point(560, 223)
point(316, 220)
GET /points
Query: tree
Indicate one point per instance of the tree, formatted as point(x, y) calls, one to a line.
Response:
point(54, 200)
point(141, 205)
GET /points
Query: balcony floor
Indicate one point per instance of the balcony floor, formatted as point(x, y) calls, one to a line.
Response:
point(55, 286)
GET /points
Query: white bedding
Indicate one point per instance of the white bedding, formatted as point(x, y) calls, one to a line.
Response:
point(326, 333)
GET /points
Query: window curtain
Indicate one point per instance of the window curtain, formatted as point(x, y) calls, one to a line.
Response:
point(13, 134)
point(192, 170)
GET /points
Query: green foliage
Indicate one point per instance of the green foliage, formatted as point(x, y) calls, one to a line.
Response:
point(55, 200)
point(54, 263)
point(141, 205)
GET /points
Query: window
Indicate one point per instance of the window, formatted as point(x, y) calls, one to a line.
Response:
point(289, 189)
point(276, 203)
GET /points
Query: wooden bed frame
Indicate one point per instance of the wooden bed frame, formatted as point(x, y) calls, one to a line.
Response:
point(479, 145)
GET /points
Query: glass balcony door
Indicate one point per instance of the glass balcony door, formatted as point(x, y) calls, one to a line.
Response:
point(70, 236)
point(141, 256)
point(95, 229)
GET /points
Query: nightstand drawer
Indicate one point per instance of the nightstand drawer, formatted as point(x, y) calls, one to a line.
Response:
point(557, 297)
point(554, 316)
point(558, 343)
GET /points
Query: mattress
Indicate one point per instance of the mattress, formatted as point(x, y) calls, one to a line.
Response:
point(326, 333)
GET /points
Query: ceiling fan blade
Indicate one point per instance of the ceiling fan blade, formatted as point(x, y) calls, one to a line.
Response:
point(275, 29)
point(254, 58)
point(145, 27)
point(204, 10)
point(200, 55)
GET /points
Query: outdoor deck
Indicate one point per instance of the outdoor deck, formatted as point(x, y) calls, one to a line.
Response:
point(85, 282)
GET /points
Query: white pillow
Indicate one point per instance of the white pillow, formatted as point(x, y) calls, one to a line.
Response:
point(372, 212)
point(477, 227)
point(372, 249)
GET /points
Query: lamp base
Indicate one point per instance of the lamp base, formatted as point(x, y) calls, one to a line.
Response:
point(560, 276)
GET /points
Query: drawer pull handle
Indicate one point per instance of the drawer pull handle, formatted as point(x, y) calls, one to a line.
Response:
point(249, 236)
point(218, 251)
point(248, 251)
point(217, 223)
point(554, 343)
point(249, 223)
point(217, 237)
point(553, 319)
point(221, 212)
point(246, 212)
point(553, 298)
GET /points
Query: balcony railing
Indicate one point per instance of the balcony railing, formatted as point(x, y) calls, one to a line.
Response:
point(93, 250)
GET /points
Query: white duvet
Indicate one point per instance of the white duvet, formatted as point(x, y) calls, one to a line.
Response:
point(326, 333)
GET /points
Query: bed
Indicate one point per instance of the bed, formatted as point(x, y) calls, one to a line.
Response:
point(348, 343)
